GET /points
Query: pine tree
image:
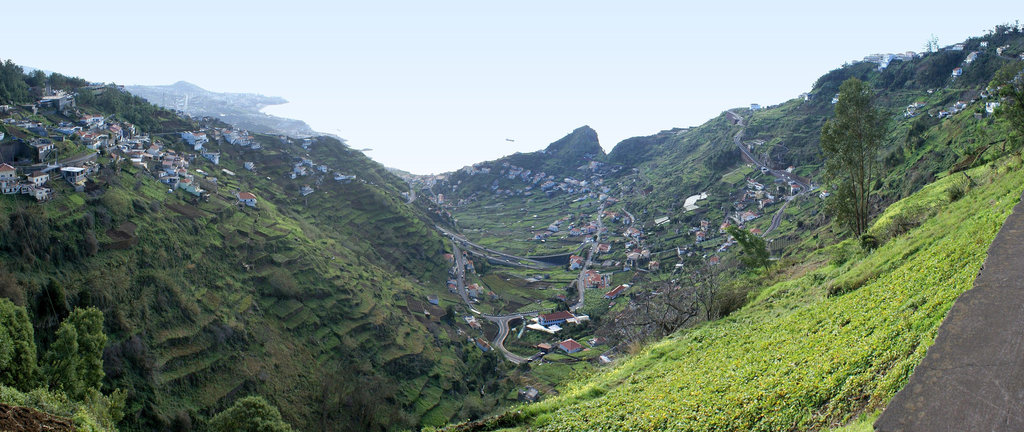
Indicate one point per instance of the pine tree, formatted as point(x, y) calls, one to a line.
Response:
point(755, 250)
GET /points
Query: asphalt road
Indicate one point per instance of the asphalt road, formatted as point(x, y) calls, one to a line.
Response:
point(509, 259)
point(806, 187)
point(501, 320)
point(972, 378)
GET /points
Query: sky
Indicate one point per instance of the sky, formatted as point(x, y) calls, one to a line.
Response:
point(434, 86)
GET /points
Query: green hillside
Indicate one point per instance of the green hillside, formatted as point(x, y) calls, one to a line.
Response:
point(798, 358)
point(313, 302)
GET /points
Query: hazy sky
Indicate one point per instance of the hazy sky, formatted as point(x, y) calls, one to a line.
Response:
point(432, 86)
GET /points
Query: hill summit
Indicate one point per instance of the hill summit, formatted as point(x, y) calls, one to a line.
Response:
point(578, 144)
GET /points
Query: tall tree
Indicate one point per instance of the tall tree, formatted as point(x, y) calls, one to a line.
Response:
point(60, 364)
point(74, 361)
point(755, 250)
point(88, 324)
point(850, 143)
point(18, 365)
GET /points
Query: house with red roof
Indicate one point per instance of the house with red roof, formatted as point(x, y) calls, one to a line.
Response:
point(247, 199)
point(610, 295)
point(575, 262)
point(570, 346)
point(7, 172)
point(554, 318)
point(593, 279)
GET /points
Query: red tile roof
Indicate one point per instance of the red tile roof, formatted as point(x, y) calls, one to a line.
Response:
point(6, 167)
point(560, 315)
point(246, 196)
point(615, 292)
point(570, 345)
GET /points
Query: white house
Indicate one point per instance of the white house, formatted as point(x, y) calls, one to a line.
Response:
point(74, 175)
point(38, 192)
point(90, 121)
point(247, 199)
point(38, 178)
point(8, 180)
point(7, 172)
point(213, 157)
point(195, 139)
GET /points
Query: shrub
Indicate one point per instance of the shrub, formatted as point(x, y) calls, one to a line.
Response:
point(958, 188)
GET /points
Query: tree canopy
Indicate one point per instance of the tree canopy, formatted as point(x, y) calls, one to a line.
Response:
point(850, 143)
point(249, 414)
point(74, 361)
point(17, 347)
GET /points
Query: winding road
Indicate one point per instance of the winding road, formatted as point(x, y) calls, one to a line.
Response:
point(804, 186)
point(737, 139)
point(503, 320)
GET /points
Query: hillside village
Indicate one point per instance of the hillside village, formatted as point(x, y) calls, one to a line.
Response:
point(52, 139)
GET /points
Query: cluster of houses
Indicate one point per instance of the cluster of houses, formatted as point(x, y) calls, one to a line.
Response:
point(958, 106)
point(93, 131)
point(912, 109)
point(531, 182)
point(123, 143)
point(883, 60)
point(33, 184)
